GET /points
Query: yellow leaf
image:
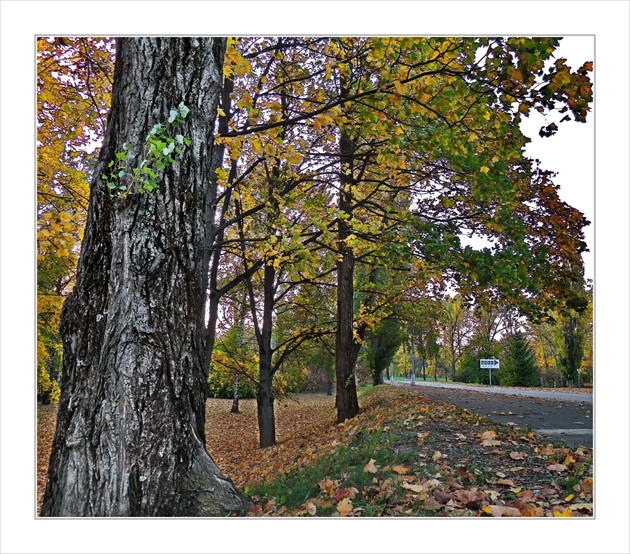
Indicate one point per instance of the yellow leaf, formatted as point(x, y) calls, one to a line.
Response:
point(562, 513)
point(401, 470)
point(370, 467)
point(484, 169)
point(220, 112)
point(414, 488)
point(569, 498)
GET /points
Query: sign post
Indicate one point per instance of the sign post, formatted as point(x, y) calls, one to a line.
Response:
point(490, 364)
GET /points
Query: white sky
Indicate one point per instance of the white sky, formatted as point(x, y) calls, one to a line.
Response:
point(608, 20)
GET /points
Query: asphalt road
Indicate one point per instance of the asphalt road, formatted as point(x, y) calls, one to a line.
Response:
point(563, 417)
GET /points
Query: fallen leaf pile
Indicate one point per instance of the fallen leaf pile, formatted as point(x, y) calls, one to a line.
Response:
point(454, 462)
point(46, 418)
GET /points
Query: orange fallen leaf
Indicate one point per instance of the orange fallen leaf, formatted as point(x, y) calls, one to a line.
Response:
point(349, 492)
point(501, 511)
point(370, 467)
point(506, 482)
point(487, 435)
point(431, 503)
point(467, 497)
point(327, 486)
point(401, 470)
point(532, 511)
point(547, 450)
point(344, 507)
point(517, 455)
point(437, 456)
point(586, 485)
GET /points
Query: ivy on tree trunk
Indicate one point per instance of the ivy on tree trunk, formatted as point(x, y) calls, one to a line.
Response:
point(130, 437)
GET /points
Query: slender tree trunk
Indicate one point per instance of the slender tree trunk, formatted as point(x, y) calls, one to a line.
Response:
point(130, 437)
point(211, 251)
point(241, 332)
point(265, 398)
point(413, 362)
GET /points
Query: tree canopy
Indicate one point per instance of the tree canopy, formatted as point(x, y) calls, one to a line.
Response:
point(353, 179)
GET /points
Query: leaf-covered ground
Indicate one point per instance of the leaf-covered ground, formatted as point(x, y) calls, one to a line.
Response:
point(402, 456)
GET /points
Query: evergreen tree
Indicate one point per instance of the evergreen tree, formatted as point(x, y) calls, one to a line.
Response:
point(518, 367)
point(383, 343)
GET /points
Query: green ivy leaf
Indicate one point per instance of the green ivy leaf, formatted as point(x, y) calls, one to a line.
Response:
point(183, 109)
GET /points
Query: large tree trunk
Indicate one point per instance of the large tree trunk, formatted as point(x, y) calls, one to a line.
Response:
point(130, 430)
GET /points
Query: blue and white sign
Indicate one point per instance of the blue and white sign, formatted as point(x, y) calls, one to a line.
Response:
point(489, 364)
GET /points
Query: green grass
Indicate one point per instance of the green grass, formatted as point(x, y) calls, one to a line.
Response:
point(346, 465)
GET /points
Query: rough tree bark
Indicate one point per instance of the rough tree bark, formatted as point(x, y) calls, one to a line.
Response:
point(346, 347)
point(130, 437)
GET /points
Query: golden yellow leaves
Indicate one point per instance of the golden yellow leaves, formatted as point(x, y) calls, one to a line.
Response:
point(57, 234)
point(234, 64)
point(484, 169)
